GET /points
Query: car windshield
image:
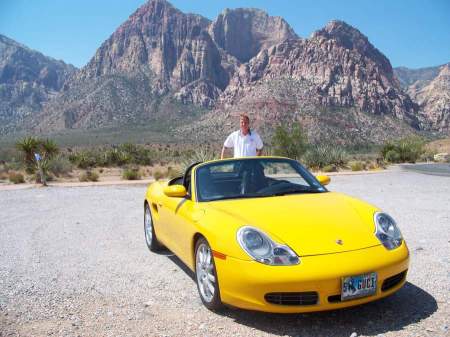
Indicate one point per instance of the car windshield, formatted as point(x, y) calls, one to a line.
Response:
point(254, 178)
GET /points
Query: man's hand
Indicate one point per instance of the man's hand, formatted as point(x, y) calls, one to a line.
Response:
point(223, 152)
point(259, 152)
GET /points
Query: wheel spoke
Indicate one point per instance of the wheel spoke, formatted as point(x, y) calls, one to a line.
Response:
point(210, 286)
point(211, 277)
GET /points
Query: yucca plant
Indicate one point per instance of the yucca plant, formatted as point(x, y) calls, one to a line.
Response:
point(28, 146)
point(201, 155)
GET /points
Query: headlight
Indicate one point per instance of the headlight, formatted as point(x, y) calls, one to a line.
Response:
point(261, 248)
point(387, 231)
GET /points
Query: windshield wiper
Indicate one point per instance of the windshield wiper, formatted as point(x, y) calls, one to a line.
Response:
point(238, 197)
point(295, 191)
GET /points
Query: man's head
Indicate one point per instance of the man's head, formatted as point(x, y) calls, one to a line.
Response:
point(244, 123)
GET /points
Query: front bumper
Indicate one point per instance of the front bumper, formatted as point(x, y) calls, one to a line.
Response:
point(244, 284)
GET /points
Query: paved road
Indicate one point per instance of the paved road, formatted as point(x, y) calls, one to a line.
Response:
point(439, 169)
point(73, 263)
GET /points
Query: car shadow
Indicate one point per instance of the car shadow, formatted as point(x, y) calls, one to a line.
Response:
point(407, 306)
point(172, 257)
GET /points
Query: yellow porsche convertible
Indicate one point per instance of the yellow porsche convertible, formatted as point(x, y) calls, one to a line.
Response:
point(263, 233)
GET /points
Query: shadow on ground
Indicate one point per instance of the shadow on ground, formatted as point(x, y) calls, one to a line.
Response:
point(409, 305)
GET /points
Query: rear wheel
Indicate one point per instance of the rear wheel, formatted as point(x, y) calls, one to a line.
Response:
point(206, 276)
point(150, 236)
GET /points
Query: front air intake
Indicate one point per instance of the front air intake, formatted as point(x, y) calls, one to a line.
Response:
point(392, 281)
point(304, 298)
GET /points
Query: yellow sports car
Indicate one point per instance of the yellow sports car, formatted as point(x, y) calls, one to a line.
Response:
point(263, 233)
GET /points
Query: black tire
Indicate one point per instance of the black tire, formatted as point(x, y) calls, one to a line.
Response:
point(151, 240)
point(211, 302)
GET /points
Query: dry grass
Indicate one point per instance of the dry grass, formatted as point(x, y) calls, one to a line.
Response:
point(439, 146)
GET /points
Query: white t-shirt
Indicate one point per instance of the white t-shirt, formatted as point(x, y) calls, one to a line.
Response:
point(244, 146)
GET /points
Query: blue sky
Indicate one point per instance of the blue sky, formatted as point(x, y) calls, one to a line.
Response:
point(412, 33)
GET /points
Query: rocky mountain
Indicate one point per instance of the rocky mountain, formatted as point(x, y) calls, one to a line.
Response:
point(335, 83)
point(244, 32)
point(408, 76)
point(157, 58)
point(430, 88)
point(28, 79)
point(163, 65)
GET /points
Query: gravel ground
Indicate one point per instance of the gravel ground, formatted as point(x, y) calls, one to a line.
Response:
point(73, 262)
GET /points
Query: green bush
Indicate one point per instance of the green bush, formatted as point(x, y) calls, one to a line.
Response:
point(408, 150)
point(89, 176)
point(356, 165)
point(319, 156)
point(131, 174)
point(289, 143)
point(60, 165)
point(16, 177)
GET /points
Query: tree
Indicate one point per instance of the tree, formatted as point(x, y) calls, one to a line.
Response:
point(291, 143)
point(47, 150)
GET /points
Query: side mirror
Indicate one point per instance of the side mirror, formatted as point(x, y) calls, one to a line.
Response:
point(177, 191)
point(323, 179)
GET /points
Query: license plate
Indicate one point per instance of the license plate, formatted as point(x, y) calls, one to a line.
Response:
point(358, 286)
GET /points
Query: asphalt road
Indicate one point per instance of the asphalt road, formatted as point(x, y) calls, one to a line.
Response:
point(73, 262)
point(439, 169)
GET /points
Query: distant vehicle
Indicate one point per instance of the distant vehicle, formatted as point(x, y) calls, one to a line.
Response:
point(264, 234)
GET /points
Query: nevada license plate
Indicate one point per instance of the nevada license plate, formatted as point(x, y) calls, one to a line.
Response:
point(358, 286)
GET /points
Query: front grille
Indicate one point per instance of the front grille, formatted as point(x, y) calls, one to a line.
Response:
point(334, 298)
point(392, 281)
point(304, 298)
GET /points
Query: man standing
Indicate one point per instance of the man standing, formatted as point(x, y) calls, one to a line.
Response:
point(244, 142)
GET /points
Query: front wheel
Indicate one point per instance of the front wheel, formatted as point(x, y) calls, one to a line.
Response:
point(150, 236)
point(206, 276)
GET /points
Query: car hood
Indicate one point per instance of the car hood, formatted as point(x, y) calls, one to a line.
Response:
point(311, 224)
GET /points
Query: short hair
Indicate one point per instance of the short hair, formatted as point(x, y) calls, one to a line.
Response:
point(244, 116)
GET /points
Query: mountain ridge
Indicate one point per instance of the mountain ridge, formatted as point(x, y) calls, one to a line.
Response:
point(164, 64)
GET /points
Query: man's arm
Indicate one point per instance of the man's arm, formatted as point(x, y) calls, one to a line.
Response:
point(228, 144)
point(222, 155)
point(259, 145)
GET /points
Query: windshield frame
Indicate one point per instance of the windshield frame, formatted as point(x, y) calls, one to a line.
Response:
point(299, 168)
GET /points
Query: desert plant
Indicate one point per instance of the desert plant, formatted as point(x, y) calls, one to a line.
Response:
point(289, 143)
point(319, 156)
point(201, 155)
point(407, 149)
point(356, 165)
point(89, 175)
point(158, 174)
point(16, 177)
point(59, 166)
point(28, 146)
point(329, 168)
point(131, 173)
point(47, 150)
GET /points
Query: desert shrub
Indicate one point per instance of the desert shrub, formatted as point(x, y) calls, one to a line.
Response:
point(137, 154)
point(319, 156)
point(16, 177)
point(329, 168)
point(131, 173)
point(408, 149)
point(158, 174)
point(201, 155)
point(89, 175)
point(356, 165)
point(59, 166)
point(289, 143)
point(173, 172)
